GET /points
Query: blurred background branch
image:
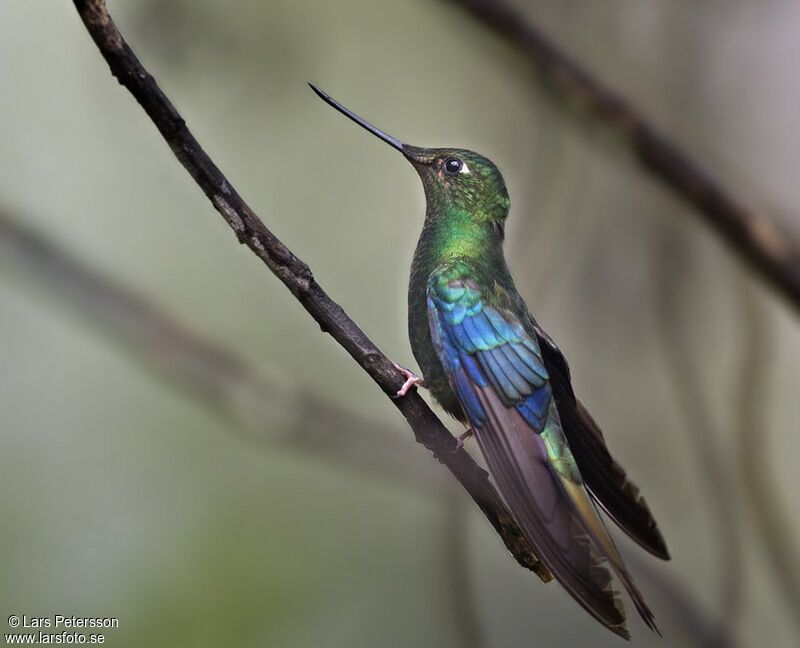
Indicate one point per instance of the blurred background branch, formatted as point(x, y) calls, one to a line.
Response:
point(254, 398)
point(466, 609)
point(752, 234)
point(767, 510)
point(253, 401)
point(700, 431)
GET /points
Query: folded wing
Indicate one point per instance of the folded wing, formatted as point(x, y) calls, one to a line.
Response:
point(495, 368)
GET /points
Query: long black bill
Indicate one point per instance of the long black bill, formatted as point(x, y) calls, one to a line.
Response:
point(391, 141)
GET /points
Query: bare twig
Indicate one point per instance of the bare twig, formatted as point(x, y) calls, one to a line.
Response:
point(752, 234)
point(752, 391)
point(297, 277)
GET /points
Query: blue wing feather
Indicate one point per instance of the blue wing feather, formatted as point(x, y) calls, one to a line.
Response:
point(480, 344)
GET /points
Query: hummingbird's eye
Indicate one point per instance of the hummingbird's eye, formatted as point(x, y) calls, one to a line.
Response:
point(453, 166)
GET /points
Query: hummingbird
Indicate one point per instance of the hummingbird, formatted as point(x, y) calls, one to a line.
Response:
point(490, 365)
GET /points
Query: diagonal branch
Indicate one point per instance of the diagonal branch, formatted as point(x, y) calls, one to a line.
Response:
point(753, 235)
point(297, 277)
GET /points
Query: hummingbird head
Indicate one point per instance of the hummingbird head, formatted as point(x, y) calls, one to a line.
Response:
point(461, 179)
point(454, 179)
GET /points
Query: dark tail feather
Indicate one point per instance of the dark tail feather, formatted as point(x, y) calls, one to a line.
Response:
point(607, 482)
point(518, 461)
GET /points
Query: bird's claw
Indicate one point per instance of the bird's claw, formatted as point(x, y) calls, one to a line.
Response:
point(412, 380)
point(461, 438)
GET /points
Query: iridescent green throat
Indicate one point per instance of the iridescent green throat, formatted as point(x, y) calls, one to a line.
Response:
point(456, 233)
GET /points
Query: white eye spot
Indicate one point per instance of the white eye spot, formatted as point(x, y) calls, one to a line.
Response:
point(464, 169)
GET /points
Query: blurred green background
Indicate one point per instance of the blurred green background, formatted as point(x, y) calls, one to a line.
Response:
point(255, 488)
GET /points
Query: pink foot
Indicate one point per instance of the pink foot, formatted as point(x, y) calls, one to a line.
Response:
point(412, 380)
point(461, 438)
